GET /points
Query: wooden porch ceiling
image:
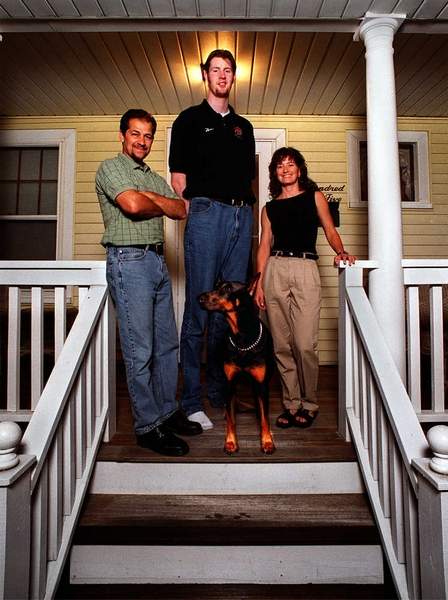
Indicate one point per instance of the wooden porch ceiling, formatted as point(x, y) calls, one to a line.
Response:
point(100, 57)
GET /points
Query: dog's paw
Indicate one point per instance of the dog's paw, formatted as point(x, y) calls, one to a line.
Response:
point(268, 447)
point(230, 447)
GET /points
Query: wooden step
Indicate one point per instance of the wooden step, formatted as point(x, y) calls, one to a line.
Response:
point(227, 520)
point(252, 539)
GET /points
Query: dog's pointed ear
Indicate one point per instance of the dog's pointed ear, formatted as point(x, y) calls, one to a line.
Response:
point(251, 286)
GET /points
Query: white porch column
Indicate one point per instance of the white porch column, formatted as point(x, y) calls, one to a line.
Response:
point(386, 290)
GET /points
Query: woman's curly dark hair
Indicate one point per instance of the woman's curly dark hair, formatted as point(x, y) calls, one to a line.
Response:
point(305, 183)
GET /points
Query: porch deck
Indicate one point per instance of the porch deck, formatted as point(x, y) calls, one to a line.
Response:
point(319, 443)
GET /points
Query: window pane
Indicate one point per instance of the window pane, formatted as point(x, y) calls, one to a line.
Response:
point(30, 164)
point(28, 198)
point(9, 163)
point(48, 198)
point(27, 240)
point(50, 163)
point(8, 195)
point(406, 157)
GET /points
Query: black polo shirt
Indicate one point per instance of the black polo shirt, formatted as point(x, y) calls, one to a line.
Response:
point(217, 154)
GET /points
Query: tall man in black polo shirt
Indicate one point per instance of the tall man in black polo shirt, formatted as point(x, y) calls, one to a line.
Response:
point(212, 164)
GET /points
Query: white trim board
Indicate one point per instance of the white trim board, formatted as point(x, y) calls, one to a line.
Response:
point(268, 565)
point(226, 478)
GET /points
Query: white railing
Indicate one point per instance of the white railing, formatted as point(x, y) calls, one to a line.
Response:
point(73, 411)
point(387, 435)
point(427, 312)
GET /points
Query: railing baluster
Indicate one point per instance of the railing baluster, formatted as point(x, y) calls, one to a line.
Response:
point(60, 318)
point(396, 497)
point(108, 367)
point(372, 425)
point(90, 395)
point(14, 328)
point(355, 355)
point(69, 433)
point(37, 344)
point(411, 537)
point(383, 459)
point(363, 396)
point(80, 404)
point(82, 293)
point(55, 496)
point(39, 536)
point(99, 383)
point(413, 341)
point(345, 363)
point(437, 368)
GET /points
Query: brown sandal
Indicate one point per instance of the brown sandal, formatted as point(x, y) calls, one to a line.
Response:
point(308, 417)
point(288, 420)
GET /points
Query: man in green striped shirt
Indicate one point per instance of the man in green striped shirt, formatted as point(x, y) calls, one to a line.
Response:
point(133, 201)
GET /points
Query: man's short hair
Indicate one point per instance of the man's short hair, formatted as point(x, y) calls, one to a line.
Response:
point(137, 113)
point(219, 53)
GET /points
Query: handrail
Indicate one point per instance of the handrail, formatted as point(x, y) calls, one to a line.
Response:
point(73, 413)
point(385, 429)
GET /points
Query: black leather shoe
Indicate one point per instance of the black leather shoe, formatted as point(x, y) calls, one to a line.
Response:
point(178, 423)
point(163, 442)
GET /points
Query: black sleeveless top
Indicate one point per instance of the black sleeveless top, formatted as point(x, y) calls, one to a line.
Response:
point(294, 222)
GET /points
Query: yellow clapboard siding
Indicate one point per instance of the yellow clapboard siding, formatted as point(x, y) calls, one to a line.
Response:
point(86, 197)
point(92, 218)
point(92, 207)
point(89, 232)
point(85, 186)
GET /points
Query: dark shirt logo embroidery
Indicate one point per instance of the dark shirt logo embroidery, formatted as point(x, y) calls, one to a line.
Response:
point(209, 129)
point(238, 132)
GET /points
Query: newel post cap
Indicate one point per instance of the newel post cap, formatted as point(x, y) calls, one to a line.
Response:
point(10, 436)
point(438, 441)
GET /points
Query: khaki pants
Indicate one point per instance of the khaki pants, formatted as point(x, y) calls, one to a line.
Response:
point(293, 297)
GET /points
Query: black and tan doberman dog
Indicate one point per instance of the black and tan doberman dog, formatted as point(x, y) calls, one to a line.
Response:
point(248, 348)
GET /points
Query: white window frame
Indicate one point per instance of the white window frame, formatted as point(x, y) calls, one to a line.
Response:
point(421, 170)
point(65, 141)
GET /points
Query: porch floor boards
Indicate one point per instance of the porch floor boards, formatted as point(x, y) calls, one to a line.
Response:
point(319, 443)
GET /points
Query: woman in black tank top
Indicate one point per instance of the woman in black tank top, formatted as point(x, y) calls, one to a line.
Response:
point(289, 286)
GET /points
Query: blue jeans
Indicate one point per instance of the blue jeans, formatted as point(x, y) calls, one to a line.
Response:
point(217, 245)
point(140, 287)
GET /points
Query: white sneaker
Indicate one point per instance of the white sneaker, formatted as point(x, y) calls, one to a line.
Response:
point(201, 417)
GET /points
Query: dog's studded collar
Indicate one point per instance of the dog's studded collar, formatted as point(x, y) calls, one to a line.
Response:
point(252, 346)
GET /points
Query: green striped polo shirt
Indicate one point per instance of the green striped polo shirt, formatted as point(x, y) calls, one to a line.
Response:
point(117, 175)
